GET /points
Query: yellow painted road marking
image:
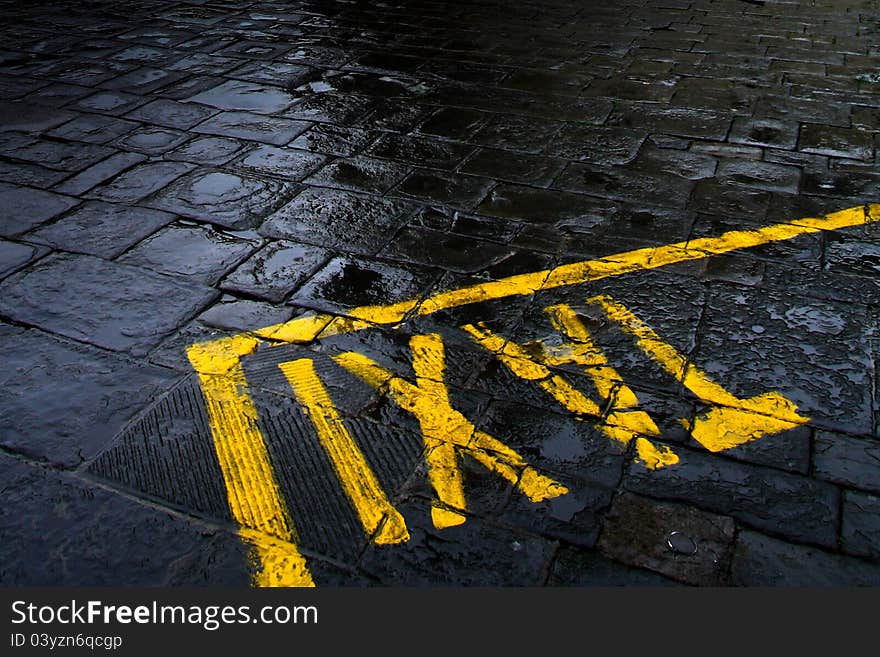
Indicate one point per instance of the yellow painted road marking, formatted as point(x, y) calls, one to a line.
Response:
point(379, 518)
point(444, 430)
point(251, 490)
point(737, 421)
point(621, 424)
point(306, 329)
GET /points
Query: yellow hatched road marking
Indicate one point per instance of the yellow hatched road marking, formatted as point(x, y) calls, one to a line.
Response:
point(253, 495)
point(358, 481)
point(444, 430)
point(734, 421)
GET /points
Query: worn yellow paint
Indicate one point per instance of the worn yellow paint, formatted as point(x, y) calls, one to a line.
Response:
point(620, 424)
point(377, 515)
point(251, 490)
point(306, 329)
point(253, 495)
point(446, 431)
point(734, 421)
point(278, 563)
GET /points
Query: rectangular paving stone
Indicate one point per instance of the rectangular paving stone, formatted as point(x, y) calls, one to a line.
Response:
point(519, 133)
point(254, 127)
point(23, 208)
point(462, 191)
point(192, 253)
point(674, 121)
point(600, 145)
point(241, 96)
point(772, 133)
point(344, 221)
point(30, 175)
point(815, 353)
point(538, 205)
point(223, 198)
point(763, 561)
point(101, 229)
point(472, 554)
point(345, 283)
point(142, 80)
point(64, 156)
point(522, 168)
point(846, 460)
point(275, 270)
point(760, 175)
point(333, 140)
point(454, 123)
point(65, 402)
point(451, 252)
point(98, 173)
point(104, 303)
point(796, 507)
point(281, 73)
point(860, 530)
point(171, 113)
point(674, 540)
point(151, 140)
point(13, 255)
point(93, 128)
point(243, 314)
point(582, 568)
point(852, 143)
point(339, 109)
point(206, 150)
point(623, 184)
point(56, 520)
point(359, 173)
point(139, 182)
point(114, 103)
point(22, 116)
point(431, 153)
point(287, 163)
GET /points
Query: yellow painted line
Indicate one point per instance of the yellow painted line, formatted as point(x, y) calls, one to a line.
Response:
point(253, 495)
point(736, 421)
point(445, 430)
point(378, 517)
point(621, 424)
point(251, 490)
point(307, 329)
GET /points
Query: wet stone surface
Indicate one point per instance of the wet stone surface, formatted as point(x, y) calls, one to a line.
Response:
point(286, 163)
point(24, 208)
point(276, 270)
point(453, 558)
point(802, 509)
point(72, 525)
point(677, 541)
point(860, 532)
point(139, 182)
point(346, 283)
point(103, 303)
point(178, 175)
point(339, 220)
point(69, 400)
point(763, 561)
point(13, 255)
point(190, 252)
point(253, 127)
point(226, 199)
point(101, 229)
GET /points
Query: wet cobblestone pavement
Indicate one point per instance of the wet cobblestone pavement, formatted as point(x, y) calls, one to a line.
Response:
point(440, 293)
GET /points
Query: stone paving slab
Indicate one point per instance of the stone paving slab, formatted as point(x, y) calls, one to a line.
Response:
point(412, 260)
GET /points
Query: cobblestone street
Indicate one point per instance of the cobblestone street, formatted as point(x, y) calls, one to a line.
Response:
point(440, 293)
